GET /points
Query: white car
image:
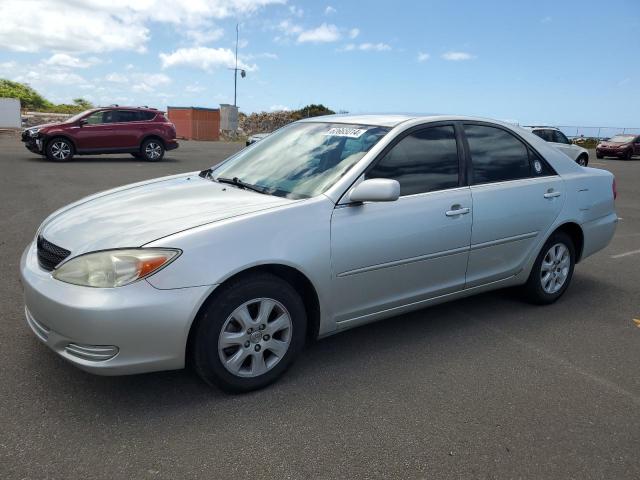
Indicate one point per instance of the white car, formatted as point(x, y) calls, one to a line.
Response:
point(559, 140)
point(327, 224)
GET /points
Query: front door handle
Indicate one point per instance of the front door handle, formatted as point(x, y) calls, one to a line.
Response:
point(552, 194)
point(457, 210)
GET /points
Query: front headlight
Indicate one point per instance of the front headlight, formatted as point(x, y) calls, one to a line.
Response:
point(33, 132)
point(114, 268)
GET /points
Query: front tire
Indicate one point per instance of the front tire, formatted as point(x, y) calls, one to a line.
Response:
point(59, 150)
point(599, 156)
point(628, 155)
point(249, 334)
point(152, 150)
point(552, 270)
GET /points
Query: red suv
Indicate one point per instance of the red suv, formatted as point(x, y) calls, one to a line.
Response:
point(145, 133)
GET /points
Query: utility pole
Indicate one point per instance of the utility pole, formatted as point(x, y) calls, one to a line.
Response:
point(243, 73)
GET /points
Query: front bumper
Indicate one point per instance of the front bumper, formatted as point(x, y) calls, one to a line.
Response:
point(33, 144)
point(109, 331)
point(610, 152)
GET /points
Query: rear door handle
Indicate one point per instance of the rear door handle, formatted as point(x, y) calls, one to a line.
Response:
point(552, 194)
point(457, 211)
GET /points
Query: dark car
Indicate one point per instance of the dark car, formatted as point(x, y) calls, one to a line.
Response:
point(143, 132)
point(621, 146)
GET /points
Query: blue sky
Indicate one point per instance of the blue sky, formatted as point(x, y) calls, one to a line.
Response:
point(552, 62)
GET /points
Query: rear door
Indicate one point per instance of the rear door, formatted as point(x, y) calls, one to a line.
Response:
point(516, 198)
point(129, 129)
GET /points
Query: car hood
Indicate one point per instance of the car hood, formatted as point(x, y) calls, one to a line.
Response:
point(137, 214)
point(45, 125)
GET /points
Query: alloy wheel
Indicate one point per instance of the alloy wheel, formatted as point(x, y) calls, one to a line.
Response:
point(255, 337)
point(153, 150)
point(554, 269)
point(60, 150)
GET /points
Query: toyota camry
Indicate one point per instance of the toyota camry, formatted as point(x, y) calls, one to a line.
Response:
point(324, 225)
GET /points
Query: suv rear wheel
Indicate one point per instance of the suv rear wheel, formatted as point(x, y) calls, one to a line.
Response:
point(59, 150)
point(152, 150)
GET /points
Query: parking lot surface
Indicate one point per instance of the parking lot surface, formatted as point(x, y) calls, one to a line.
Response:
point(486, 387)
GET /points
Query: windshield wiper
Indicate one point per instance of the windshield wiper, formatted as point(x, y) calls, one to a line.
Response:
point(239, 183)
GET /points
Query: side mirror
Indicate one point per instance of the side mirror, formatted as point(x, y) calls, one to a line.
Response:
point(376, 190)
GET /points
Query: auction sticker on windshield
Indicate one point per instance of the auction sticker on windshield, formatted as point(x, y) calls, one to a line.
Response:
point(345, 132)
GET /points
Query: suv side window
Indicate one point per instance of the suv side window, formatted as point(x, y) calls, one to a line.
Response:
point(423, 161)
point(102, 116)
point(147, 115)
point(496, 155)
point(559, 137)
point(128, 116)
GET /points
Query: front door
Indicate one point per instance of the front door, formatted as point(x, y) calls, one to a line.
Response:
point(97, 132)
point(516, 198)
point(386, 255)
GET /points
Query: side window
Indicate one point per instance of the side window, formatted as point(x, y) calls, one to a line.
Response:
point(95, 118)
point(147, 115)
point(559, 137)
point(423, 161)
point(496, 155)
point(127, 116)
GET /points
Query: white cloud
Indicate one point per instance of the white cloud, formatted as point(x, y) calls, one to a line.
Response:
point(116, 78)
point(329, 10)
point(325, 33)
point(203, 36)
point(203, 58)
point(546, 19)
point(289, 28)
point(354, 32)
point(104, 25)
point(129, 66)
point(279, 108)
point(457, 56)
point(423, 57)
point(296, 11)
point(65, 60)
point(40, 78)
point(367, 47)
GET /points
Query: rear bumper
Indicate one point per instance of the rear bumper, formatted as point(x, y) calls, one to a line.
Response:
point(171, 145)
point(598, 233)
point(109, 331)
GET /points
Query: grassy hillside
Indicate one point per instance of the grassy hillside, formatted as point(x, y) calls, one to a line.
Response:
point(32, 100)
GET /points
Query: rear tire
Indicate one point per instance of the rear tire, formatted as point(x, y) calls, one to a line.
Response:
point(59, 150)
point(599, 156)
point(582, 160)
point(152, 150)
point(552, 270)
point(249, 334)
point(628, 155)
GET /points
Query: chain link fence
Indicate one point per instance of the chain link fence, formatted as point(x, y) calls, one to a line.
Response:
point(575, 131)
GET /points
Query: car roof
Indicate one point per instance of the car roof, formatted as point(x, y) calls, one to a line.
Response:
point(539, 127)
point(392, 120)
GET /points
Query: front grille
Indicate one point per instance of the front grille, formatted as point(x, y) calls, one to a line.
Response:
point(50, 255)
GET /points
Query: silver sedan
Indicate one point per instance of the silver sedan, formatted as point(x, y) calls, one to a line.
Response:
point(327, 224)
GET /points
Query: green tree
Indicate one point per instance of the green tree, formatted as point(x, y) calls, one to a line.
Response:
point(32, 100)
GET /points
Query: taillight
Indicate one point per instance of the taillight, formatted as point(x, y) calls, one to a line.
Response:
point(615, 190)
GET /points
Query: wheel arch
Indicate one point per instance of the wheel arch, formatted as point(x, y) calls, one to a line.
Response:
point(52, 137)
point(294, 277)
point(152, 136)
point(581, 155)
point(576, 234)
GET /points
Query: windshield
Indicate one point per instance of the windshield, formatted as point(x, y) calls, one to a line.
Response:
point(621, 139)
point(301, 160)
point(78, 116)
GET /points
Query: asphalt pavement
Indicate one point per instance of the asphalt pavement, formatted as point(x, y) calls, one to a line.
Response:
point(486, 387)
